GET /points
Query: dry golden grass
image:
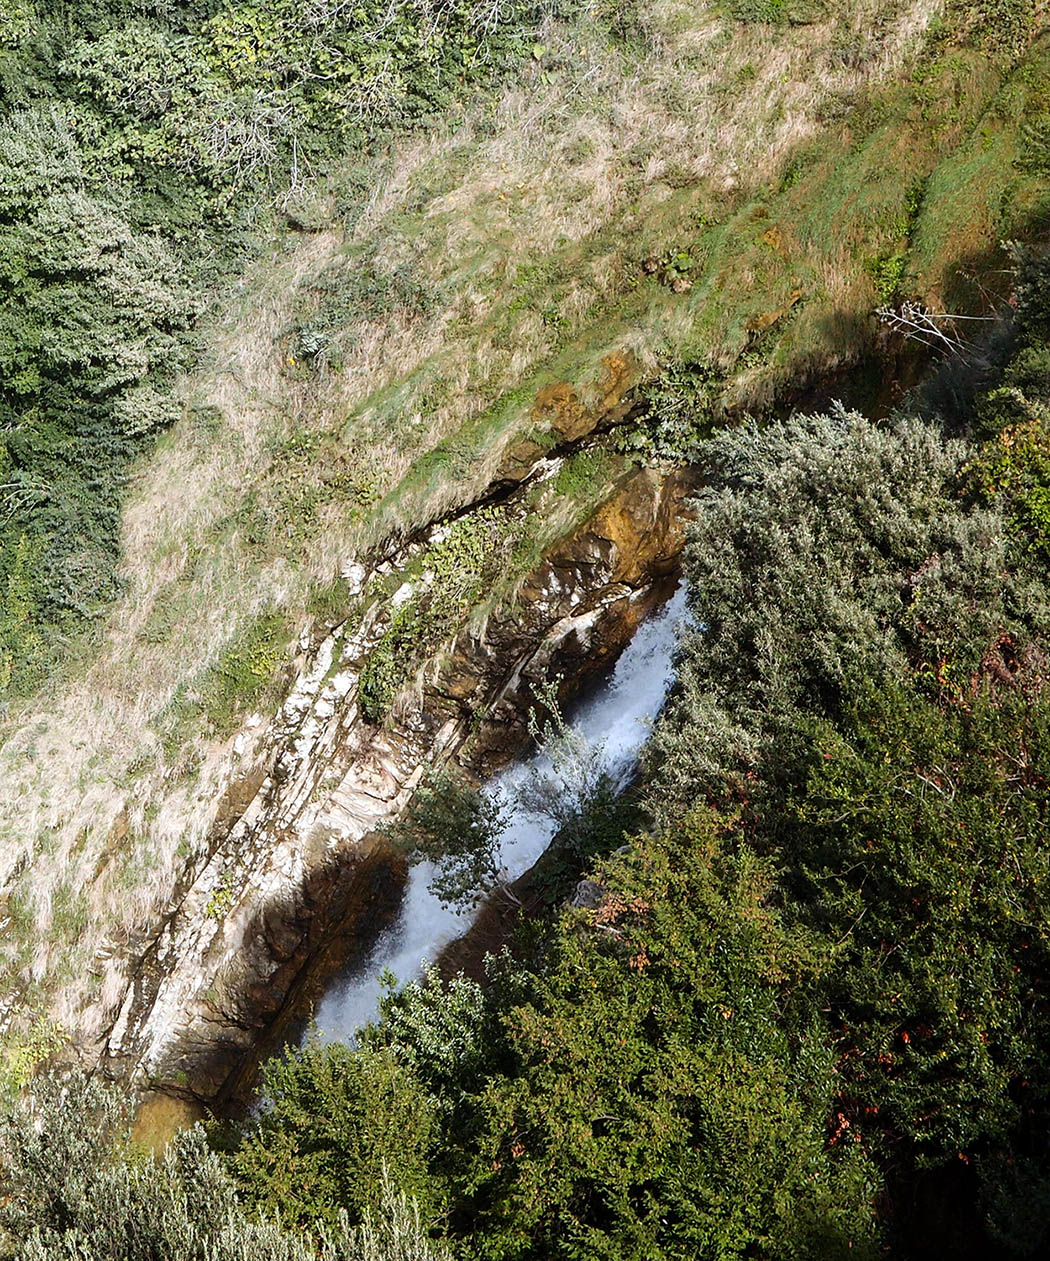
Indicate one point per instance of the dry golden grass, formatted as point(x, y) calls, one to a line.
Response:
point(567, 177)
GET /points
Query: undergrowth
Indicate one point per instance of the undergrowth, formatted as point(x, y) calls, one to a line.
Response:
point(448, 579)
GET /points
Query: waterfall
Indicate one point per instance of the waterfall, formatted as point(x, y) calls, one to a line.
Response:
point(615, 718)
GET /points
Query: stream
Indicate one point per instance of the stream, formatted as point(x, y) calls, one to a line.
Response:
point(615, 720)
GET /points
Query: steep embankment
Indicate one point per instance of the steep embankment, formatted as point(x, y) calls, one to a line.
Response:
point(713, 202)
point(295, 879)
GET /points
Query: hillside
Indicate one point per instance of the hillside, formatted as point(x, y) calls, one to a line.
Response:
point(355, 366)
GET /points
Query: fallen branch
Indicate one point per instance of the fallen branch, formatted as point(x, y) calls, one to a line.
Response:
point(935, 329)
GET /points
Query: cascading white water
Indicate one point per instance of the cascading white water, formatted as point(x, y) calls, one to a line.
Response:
point(616, 721)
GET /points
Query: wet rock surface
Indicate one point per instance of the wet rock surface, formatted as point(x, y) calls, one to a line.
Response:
point(296, 882)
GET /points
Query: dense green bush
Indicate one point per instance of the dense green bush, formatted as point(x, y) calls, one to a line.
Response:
point(94, 319)
point(669, 1093)
point(75, 1187)
point(335, 1119)
point(678, 415)
point(916, 845)
point(827, 551)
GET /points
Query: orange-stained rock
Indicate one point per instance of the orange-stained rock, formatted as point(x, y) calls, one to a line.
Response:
point(621, 375)
point(559, 407)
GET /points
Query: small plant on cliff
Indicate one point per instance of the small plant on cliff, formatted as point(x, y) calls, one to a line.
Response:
point(222, 897)
point(21, 1055)
point(678, 415)
point(386, 669)
point(887, 274)
point(453, 572)
point(449, 823)
point(244, 672)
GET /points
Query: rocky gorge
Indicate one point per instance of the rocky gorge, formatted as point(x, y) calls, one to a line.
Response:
point(297, 880)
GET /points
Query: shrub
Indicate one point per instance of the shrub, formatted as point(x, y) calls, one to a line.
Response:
point(915, 843)
point(866, 683)
point(76, 1188)
point(667, 1095)
point(678, 415)
point(1015, 468)
point(94, 321)
point(887, 273)
point(335, 1119)
point(803, 543)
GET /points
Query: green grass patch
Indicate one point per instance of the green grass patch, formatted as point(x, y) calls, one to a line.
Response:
point(246, 676)
point(245, 672)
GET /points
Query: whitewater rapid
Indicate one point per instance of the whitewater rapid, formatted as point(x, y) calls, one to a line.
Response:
point(615, 720)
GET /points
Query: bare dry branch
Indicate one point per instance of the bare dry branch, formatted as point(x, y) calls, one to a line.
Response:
point(935, 329)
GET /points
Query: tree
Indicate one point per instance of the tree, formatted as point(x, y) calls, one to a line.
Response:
point(338, 1121)
point(453, 825)
point(669, 1090)
point(915, 846)
point(569, 783)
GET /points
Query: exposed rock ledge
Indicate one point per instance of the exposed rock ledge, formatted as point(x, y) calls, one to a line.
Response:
point(297, 881)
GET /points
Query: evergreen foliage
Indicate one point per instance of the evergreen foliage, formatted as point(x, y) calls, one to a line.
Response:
point(915, 847)
point(336, 1118)
point(139, 146)
point(668, 1092)
point(77, 1189)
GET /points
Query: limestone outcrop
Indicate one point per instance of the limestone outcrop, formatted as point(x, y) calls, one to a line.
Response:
point(297, 880)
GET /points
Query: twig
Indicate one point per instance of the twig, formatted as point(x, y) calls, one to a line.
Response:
point(931, 328)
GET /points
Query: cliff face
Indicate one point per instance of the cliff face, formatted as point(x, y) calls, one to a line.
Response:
point(296, 881)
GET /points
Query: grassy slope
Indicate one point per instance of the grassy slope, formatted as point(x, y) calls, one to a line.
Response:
point(371, 371)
